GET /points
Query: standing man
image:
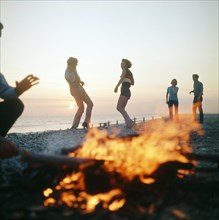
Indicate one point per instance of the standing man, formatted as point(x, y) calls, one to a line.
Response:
point(197, 101)
point(11, 108)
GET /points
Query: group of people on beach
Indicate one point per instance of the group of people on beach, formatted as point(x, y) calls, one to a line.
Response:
point(173, 102)
point(12, 107)
point(126, 81)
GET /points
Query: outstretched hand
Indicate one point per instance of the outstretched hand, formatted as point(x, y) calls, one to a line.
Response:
point(26, 83)
point(116, 89)
point(7, 148)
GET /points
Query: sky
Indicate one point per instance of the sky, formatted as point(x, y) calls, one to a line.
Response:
point(163, 40)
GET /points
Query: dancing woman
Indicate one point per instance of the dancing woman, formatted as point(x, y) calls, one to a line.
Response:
point(78, 92)
point(126, 79)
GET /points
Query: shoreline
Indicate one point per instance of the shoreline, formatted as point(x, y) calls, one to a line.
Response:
point(51, 141)
point(41, 124)
point(47, 123)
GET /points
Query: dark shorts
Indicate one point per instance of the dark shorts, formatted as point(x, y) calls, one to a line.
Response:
point(171, 103)
point(125, 90)
point(195, 100)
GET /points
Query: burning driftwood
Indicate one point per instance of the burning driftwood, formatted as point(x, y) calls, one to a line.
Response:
point(64, 160)
point(202, 156)
point(56, 160)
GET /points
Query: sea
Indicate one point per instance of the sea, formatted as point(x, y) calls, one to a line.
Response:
point(26, 124)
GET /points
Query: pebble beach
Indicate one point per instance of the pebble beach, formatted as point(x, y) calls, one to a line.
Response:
point(46, 142)
point(53, 141)
point(182, 206)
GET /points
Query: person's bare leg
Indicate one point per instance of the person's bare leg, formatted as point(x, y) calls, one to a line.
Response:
point(194, 109)
point(177, 113)
point(89, 108)
point(122, 102)
point(171, 112)
point(79, 112)
point(201, 114)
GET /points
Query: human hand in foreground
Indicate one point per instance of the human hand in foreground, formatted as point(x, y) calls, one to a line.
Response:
point(7, 148)
point(26, 83)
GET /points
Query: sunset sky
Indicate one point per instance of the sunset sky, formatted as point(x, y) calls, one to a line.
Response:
point(163, 40)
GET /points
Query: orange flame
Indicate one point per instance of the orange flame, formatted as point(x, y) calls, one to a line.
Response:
point(158, 143)
point(83, 200)
point(49, 201)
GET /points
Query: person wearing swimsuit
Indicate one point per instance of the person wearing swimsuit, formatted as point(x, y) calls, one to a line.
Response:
point(126, 79)
point(78, 92)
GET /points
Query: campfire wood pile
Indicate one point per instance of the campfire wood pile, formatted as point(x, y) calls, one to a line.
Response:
point(142, 201)
point(181, 190)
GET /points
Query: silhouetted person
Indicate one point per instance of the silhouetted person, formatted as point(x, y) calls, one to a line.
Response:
point(197, 101)
point(11, 108)
point(172, 99)
point(79, 94)
point(126, 79)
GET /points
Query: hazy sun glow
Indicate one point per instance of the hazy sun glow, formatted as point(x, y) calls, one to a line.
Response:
point(72, 105)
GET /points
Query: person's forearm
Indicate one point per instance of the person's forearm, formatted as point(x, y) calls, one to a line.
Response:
point(120, 81)
point(18, 91)
point(9, 93)
point(175, 91)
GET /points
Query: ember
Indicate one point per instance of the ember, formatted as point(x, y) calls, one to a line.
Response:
point(79, 198)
